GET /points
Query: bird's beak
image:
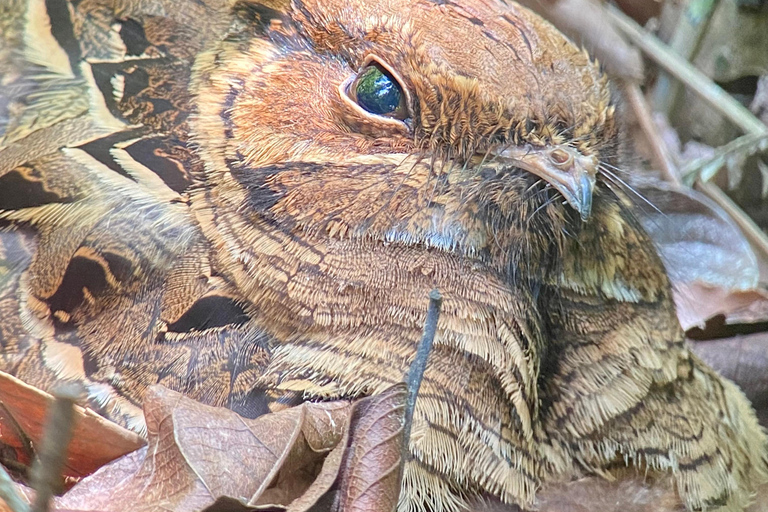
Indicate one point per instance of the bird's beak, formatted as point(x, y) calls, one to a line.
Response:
point(566, 169)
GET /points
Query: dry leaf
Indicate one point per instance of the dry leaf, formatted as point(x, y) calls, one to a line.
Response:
point(205, 458)
point(95, 441)
point(325, 479)
point(698, 241)
point(704, 310)
point(12, 438)
point(711, 265)
point(312, 466)
point(197, 453)
point(370, 477)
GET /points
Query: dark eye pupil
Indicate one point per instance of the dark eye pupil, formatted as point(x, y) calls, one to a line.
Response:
point(376, 92)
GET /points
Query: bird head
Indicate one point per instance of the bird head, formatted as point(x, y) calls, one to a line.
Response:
point(465, 126)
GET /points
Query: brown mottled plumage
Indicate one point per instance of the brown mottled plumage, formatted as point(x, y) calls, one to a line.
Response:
point(192, 195)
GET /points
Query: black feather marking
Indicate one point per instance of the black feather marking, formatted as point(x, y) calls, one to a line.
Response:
point(133, 36)
point(150, 153)
point(82, 273)
point(63, 31)
point(209, 312)
point(18, 191)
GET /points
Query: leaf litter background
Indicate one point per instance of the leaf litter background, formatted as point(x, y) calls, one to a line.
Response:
point(693, 163)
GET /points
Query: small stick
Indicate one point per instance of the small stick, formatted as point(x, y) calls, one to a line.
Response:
point(10, 494)
point(684, 71)
point(703, 169)
point(662, 158)
point(717, 98)
point(47, 469)
point(690, 30)
point(416, 371)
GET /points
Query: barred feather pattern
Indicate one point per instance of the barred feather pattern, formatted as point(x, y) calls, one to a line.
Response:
point(187, 199)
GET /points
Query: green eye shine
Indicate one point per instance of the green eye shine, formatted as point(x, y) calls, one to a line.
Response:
point(379, 93)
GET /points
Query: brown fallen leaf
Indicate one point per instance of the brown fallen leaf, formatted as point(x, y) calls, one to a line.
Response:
point(370, 477)
point(312, 466)
point(206, 458)
point(712, 266)
point(13, 441)
point(197, 453)
point(706, 311)
point(96, 440)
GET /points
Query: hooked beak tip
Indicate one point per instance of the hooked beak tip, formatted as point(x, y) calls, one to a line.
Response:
point(570, 172)
point(584, 206)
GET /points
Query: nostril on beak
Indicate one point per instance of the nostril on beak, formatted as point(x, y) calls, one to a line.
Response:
point(560, 157)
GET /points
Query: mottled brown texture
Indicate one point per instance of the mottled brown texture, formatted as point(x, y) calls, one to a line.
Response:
point(297, 263)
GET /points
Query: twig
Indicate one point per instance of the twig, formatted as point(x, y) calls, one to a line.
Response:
point(47, 469)
point(691, 27)
point(704, 168)
point(416, 371)
point(661, 157)
point(681, 69)
point(717, 99)
point(10, 494)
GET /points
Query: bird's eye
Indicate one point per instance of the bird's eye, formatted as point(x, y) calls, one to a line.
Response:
point(379, 93)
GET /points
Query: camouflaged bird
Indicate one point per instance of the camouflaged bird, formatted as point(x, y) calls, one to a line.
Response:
point(249, 203)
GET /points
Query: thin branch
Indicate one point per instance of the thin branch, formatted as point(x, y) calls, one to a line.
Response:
point(661, 157)
point(690, 30)
point(416, 371)
point(704, 169)
point(47, 469)
point(684, 71)
point(717, 98)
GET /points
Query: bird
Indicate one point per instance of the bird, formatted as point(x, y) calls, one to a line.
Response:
point(249, 202)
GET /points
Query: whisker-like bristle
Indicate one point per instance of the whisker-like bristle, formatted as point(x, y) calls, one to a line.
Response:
point(614, 178)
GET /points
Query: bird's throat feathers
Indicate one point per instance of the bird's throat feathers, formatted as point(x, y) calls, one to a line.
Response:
point(506, 220)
